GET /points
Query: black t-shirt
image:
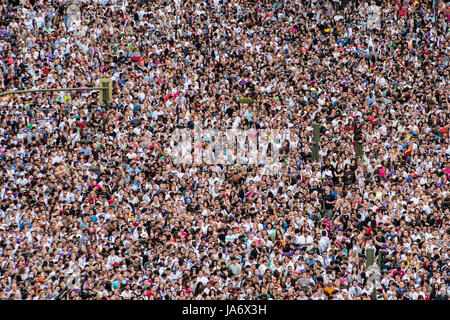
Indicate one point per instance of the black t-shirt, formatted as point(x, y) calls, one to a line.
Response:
point(380, 239)
point(317, 188)
point(349, 176)
point(195, 267)
point(254, 252)
point(287, 248)
point(328, 197)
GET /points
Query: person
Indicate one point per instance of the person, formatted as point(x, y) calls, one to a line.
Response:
point(329, 201)
point(235, 267)
point(442, 295)
point(198, 176)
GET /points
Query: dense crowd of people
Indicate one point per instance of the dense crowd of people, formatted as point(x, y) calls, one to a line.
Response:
point(94, 207)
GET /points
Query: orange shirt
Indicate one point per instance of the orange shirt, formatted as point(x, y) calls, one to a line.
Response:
point(329, 290)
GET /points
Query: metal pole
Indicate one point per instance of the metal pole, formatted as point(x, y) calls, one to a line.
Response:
point(369, 261)
point(380, 254)
point(369, 257)
point(315, 151)
point(436, 11)
point(358, 149)
point(49, 90)
point(316, 139)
